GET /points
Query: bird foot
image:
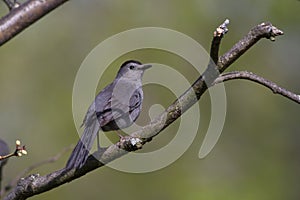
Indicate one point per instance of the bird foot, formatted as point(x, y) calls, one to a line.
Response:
point(129, 143)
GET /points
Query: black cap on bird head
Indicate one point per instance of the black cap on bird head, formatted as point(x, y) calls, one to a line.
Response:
point(130, 61)
point(132, 69)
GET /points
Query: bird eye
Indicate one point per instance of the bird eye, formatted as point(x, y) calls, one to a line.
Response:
point(131, 67)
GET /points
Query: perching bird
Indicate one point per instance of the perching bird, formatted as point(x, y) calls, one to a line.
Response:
point(4, 150)
point(116, 107)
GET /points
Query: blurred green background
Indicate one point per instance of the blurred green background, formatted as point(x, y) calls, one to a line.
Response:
point(257, 156)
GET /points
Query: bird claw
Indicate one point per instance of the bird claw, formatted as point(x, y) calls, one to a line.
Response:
point(129, 143)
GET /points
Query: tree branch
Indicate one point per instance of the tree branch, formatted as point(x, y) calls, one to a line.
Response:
point(35, 184)
point(263, 30)
point(19, 151)
point(215, 45)
point(24, 15)
point(260, 80)
point(13, 183)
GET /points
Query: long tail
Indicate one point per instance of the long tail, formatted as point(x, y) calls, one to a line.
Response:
point(84, 145)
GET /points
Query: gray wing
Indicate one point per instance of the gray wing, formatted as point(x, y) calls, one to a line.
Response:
point(136, 100)
point(116, 109)
point(99, 105)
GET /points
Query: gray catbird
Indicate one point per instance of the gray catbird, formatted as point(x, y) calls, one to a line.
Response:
point(117, 106)
point(4, 150)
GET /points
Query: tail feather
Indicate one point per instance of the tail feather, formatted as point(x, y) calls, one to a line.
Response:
point(84, 145)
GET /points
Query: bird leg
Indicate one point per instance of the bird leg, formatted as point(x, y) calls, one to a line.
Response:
point(98, 142)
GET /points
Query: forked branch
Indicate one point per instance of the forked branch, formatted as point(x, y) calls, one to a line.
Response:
point(35, 184)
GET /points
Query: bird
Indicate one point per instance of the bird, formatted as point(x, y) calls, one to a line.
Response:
point(116, 107)
point(4, 150)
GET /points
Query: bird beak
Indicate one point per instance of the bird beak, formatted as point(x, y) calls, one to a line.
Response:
point(145, 66)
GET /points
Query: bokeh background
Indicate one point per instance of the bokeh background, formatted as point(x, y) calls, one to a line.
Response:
point(257, 156)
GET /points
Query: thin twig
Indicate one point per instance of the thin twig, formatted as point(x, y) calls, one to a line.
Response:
point(9, 4)
point(7, 156)
point(19, 151)
point(212, 71)
point(215, 44)
point(260, 80)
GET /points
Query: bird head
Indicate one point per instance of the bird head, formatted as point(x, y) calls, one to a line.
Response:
point(132, 70)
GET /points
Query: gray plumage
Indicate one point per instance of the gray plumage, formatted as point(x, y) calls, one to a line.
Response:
point(116, 107)
point(4, 150)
